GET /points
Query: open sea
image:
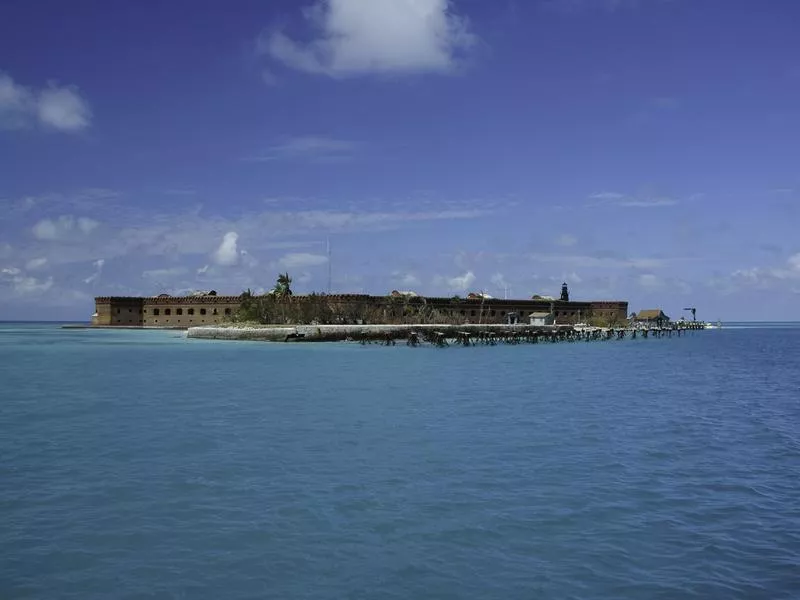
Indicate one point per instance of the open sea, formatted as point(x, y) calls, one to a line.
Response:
point(140, 464)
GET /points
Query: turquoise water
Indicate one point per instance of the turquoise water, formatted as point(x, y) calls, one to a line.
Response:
point(140, 464)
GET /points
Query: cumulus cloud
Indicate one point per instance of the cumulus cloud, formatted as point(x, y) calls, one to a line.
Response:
point(227, 254)
point(301, 260)
point(356, 37)
point(16, 103)
point(53, 107)
point(63, 109)
point(22, 284)
point(405, 279)
point(63, 227)
point(459, 283)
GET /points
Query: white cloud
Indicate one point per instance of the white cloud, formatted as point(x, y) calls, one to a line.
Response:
point(301, 260)
point(459, 283)
point(16, 103)
point(31, 285)
point(202, 270)
point(63, 109)
point(586, 261)
point(309, 147)
point(621, 200)
point(499, 280)
point(405, 279)
point(566, 240)
point(54, 107)
point(22, 284)
point(649, 281)
point(358, 37)
point(62, 227)
point(227, 254)
point(36, 263)
point(98, 270)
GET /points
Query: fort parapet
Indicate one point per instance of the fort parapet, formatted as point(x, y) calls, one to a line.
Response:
point(193, 311)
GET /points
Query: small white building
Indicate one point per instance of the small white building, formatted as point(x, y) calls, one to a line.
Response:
point(540, 319)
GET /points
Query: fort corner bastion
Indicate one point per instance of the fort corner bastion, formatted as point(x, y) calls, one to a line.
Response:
point(208, 309)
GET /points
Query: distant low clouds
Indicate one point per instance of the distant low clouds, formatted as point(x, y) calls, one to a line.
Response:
point(361, 37)
point(310, 148)
point(623, 200)
point(459, 283)
point(53, 107)
point(302, 260)
point(577, 7)
point(63, 227)
point(566, 240)
point(405, 279)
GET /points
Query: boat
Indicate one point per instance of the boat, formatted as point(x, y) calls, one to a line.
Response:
point(718, 325)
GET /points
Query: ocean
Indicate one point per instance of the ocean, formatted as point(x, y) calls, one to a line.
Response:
point(140, 464)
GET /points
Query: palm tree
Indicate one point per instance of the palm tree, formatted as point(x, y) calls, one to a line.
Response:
point(283, 285)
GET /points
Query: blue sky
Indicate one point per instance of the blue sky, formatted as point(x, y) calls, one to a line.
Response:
point(644, 150)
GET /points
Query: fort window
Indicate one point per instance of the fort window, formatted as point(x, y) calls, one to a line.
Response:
point(472, 313)
point(167, 311)
point(227, 311)
point(155, 313)
point(178, 311)
point(215, 311)
point(130, 310)
point(202, 311)
point(463, 313)
point(190, 311)
point(117, 311)
point(491, 313)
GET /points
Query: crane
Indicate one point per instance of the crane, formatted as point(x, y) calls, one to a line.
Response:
point(694, 310)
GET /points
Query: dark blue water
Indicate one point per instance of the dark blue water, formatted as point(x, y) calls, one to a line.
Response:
point(140, 464)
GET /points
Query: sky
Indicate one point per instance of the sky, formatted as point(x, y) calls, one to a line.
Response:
point(640, 150)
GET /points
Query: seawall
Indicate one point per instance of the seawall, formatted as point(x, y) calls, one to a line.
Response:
point(337, 333)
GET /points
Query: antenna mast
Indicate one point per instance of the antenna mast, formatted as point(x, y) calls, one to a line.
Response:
point(329, 264)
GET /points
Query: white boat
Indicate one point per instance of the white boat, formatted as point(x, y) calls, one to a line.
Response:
point(718, 325)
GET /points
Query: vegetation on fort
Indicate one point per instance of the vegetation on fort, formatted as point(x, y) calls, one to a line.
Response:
point(280, 306)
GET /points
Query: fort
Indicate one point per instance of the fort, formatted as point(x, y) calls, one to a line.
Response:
point(208, 309)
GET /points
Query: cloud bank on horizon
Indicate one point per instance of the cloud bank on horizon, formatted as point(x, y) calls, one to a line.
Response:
point(634, 149)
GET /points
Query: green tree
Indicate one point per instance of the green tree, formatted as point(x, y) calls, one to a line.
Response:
point(283, 286)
